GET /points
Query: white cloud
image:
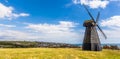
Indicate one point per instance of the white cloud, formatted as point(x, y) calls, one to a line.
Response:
point(92, 3)
point(15, 35)
point(112, 22)
point(7, 12)
point(62, 32)
point(112, 30)
point(112, 36)
point(4, 25)
point(63, 26)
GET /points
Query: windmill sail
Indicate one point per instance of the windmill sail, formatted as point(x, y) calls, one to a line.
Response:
point(89, 13)
point(97, 17)
point(102, 32)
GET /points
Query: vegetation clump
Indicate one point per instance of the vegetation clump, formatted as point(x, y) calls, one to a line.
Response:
point(28, 44)
point(113, 47)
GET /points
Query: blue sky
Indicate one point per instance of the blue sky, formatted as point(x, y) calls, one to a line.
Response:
point(57, 20)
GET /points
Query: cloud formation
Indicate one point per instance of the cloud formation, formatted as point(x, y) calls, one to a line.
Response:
point(4, 25)
point(92, 3)
point(63, 32)
point(63, 26)
point(7, 12)
point(15, 35)
point(112, 30)
point(113, 21)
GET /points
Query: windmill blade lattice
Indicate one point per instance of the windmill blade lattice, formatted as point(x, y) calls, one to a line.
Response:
point(102, 32)
point(97, 17)
point(89, 13)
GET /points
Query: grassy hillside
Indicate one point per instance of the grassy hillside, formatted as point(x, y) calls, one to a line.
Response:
point(56, 53)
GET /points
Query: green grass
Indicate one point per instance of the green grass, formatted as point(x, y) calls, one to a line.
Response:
point(56, 53)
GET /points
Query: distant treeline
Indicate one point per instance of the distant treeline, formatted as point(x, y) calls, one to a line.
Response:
point(35, 44)
point(113, 47)
point(28, 44)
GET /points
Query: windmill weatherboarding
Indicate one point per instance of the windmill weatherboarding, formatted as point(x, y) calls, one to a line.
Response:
point(91, 39)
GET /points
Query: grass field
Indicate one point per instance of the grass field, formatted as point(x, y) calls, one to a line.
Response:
point(56, 53)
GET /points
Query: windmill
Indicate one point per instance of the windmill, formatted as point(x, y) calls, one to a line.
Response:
point(91, 39)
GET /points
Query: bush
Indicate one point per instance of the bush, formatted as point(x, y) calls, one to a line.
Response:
point(113, 47)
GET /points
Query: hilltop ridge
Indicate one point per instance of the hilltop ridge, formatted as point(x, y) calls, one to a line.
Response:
point(33, 44)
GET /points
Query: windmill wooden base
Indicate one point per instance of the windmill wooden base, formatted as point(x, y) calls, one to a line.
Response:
point(92, 47)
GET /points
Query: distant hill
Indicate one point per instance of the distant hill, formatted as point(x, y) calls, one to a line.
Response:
point(29, 44)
